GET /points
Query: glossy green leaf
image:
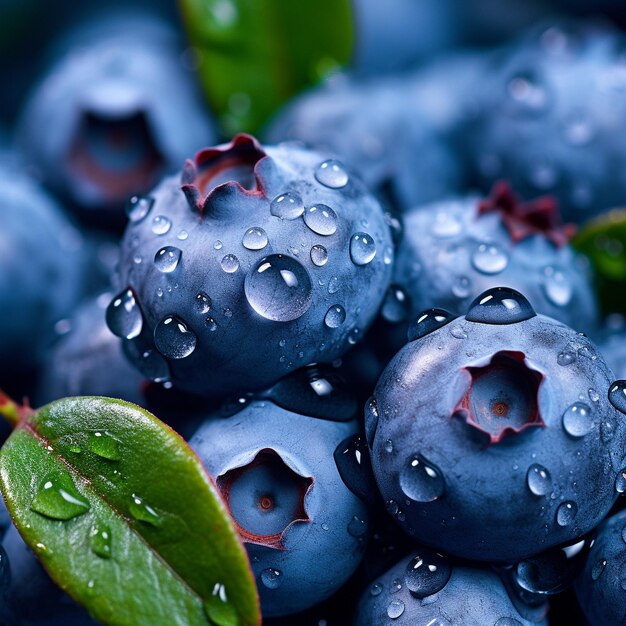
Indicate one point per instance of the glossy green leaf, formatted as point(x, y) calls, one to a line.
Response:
point(603, 241)
point(123, 516)
point(256, 54)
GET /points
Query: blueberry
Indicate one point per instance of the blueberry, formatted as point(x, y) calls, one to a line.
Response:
point(494, 439)
point(427, 588)
point(87, 359)
point(454, 250)
point(42, 273)
point(114, 113)
point(238, 291)
point(600, 586)
point(289, 481)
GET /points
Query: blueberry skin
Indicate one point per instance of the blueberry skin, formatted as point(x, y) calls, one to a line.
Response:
point(250, 315)
point(42, 274)
point(480, 483)
point(450, 253)
point(110, 80)
point(599, 587)
point(551, 116)
point(318, 555)
point(470, 596)
point(33, 597)
point(87, 360)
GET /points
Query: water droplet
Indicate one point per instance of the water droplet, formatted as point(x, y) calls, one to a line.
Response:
point(395, 609)
point(255, 239)
point(138, 207)
point(287, 206)
point(333, 285)
point(362, 248)
point(321, 219)
point(58, 498)
point(594, 396)
point(218, 245)
point(104, 445)
point(490, 259)
point(388, 255)
point(335, 316)
point(500, 305)
point(182, 235)
point(161, 225)
point(597, 569)
point(396, 586)
point(420, 480)
point(556, 287)
point(271, 578)
point(218, 609)
point(357, 527)
point(230, 263)
point(566, 357)
point(371, 420)
point(461, 287)
point(100, 540)
point(396, 306)
point(202, 303)
point(211, 324)
point(142, 512)
point(173, 338)
point(577, 420)
point(446, 224)
point(617, 395)
point(388, 446)
point(279, 288)
point(123, 315)
point(354, 466)
point(166, 259)
point(332, 174)
point(607, 430)
point(566, 513)
point(376, 589)
point(458, 332)
point(539, 480)
point(427, 573)
point(428, 321)
point(620, 481)
point(319, 256)
point(153, 366)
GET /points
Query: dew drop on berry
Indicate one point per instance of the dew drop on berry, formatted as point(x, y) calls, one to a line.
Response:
point(230, 263)
point(321, 219)
point(617, 395)
point(279, 288)
point(500, 305)
point(362, 249)
point(395, 609)
point(620, 481)
point(461, 287)
point(319, 255)
point(161, 225)
point(166, 259)
point(271, 578)
point(420, 480)
point(598, 569)
point(489, 259)
point(333, 285)
point(335, 316)
point(371, 420)
point(138, 207)
point(218, 245)
point(539, 480)
point(287, 206)
point(577, 420)
point(332, 174)
point(446, 224)
point(567, 357)
point(376, 589)
point(255, 239)
point(428, 321)
point(123, 315)
point(173, 338)
point(357, 527)
point(396, 305)
point(202, 303)
point(353, 463)
point(427, 573)
point(556, 287)
point(153, 366)
point(566, 513)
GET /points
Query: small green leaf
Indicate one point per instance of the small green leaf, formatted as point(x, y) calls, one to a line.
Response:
point(127, 522)
point(603, 242)
point(256, 54)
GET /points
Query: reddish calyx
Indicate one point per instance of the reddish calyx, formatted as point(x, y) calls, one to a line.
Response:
point(524, 219)
point(274, 506)
point(231, 166)
point(502, 398)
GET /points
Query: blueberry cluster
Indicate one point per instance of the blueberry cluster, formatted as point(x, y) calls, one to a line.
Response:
point(370, 325)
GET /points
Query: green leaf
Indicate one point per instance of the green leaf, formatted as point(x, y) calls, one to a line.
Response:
point(123, 516)
point(603, 241)
point(256, 54)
